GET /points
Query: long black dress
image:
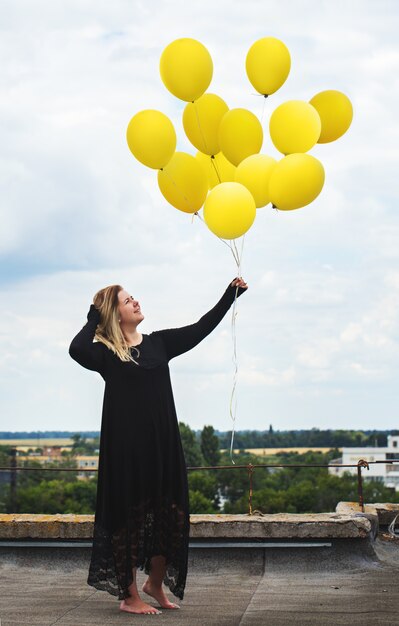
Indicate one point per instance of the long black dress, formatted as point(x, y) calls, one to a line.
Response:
point(142, 506)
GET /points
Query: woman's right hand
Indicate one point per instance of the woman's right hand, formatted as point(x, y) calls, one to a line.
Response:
point(94, 314)
point(239, 282)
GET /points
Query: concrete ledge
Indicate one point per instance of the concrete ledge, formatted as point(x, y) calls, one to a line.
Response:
point(60, 526)
point(385, 512)
point(350, 508)
point(281, 526)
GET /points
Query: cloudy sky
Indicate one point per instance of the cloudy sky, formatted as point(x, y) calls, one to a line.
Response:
point(317, 330)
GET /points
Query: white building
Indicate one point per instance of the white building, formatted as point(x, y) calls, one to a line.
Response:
point(87, 462)
point(388, 473)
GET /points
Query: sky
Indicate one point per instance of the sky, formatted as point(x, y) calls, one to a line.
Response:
point(317, 329)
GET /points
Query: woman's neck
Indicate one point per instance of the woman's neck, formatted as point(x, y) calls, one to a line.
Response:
point(131, 335)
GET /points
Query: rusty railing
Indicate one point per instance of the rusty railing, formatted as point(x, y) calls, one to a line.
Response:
point(249, 466)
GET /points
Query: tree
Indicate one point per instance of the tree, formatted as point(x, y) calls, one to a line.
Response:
point(210, 446)
point(191, 447)
point(205, 482)
point(58, 496)
point(200, 504)
point(234, 482)
point(27, 479)
point(82, 446)
point(78, 440)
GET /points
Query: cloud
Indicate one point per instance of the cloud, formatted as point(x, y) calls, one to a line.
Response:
point(78, 212)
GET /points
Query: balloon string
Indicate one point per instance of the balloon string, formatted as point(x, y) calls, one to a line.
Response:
point(263, 107)
point(215, 168)
point(233, 251)
point(263, 111)
point(199, 126)
point(178, 188)
point(205, 144)
point(238, 259)
point(235, 361)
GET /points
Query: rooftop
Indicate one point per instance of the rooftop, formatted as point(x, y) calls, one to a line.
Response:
point(344, 584)
point(321, 569)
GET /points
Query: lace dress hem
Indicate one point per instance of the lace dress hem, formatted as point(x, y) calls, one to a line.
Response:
point(150, 531)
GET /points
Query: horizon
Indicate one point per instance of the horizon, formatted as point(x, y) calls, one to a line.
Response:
point(346, 430)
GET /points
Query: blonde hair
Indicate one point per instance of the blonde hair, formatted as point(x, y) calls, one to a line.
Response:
point(108, 330)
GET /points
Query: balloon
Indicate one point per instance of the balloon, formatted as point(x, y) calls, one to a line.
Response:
point(201, 121)
point(240, 135)
point(294, 126)
point(183, 182)
point(336, 113)
point(151, 138)
point(296, 181)
point(268, 64)
point(254, 172)
point(229, 210)
point(186, 68)
point(218, 168)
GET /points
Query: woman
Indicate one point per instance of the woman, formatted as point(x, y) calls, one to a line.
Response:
point(142, 508)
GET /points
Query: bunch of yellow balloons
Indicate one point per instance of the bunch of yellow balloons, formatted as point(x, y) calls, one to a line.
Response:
point(228, 176)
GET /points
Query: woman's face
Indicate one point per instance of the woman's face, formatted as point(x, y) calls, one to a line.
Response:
point(129, 308)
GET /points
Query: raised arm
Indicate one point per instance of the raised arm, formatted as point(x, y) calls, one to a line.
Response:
point(180, 340)
point(82, 349)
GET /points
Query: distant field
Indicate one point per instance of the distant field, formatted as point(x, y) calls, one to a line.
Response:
point(38, 442)
point(34, 443)
point(271, 451)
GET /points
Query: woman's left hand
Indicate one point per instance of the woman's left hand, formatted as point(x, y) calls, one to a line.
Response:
point(239, 282)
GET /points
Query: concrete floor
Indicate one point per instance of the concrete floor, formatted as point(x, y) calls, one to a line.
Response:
point(349, 584)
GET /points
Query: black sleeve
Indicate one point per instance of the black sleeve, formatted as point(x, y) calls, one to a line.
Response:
point(180, 340)
point(83, 349)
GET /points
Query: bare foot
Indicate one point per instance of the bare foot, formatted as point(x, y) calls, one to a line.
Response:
point(136, 605)
point(159, 594)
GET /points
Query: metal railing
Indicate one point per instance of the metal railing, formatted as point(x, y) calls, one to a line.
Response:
point(250, 467)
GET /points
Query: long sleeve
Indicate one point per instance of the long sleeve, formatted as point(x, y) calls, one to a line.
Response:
point(82, 349)
point(180, 340)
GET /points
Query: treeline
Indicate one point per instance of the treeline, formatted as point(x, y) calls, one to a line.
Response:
point(47, 434)
point(334, 438)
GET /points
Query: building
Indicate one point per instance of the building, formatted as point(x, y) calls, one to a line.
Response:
point(388, 473)
point(53, 454)
point(87, 462)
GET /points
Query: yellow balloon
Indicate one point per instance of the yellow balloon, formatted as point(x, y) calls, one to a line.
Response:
point(268, 64)
point(240, 135)
point(218, 168)
point(294, 126)
point(183, 182)
point(201, 120)
point(229, 210)
point(296, 181)
point(186, 68)
point(254, 172)
point(151, 138)
point(336, 113)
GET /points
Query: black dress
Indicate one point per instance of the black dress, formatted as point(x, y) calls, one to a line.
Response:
point(142, 506)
